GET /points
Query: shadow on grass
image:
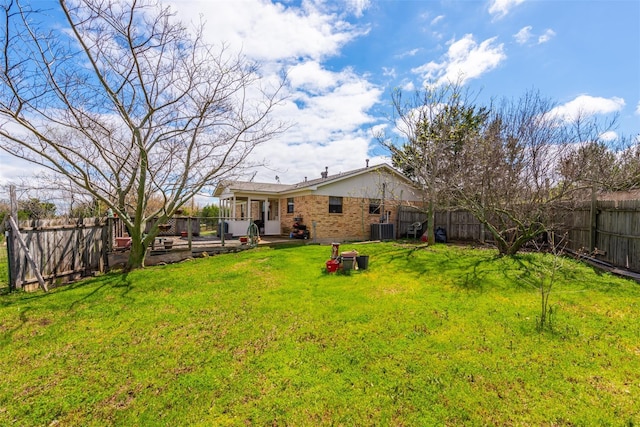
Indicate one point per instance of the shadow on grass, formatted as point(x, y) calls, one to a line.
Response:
point(466, 269)
point(531, 268)
point(114, 280)
point(285, 245)
point(24, 300)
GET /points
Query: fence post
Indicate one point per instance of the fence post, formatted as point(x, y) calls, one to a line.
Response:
point(12, 253)
point(593, 223)
point(13, 276)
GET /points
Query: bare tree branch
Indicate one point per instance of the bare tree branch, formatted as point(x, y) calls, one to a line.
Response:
point(128, 104)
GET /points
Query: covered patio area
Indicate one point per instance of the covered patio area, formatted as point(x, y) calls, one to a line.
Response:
point(238, 211)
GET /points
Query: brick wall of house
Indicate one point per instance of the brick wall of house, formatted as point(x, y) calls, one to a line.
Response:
point(352, 224)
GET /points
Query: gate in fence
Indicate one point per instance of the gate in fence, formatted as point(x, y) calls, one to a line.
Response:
point(42, 252)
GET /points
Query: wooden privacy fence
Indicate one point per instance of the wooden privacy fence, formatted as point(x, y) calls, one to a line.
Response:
point(459, 225)
point(408, 215)
point(42, 252)
point(61, 251)
point(56, 251)
point(608, 230)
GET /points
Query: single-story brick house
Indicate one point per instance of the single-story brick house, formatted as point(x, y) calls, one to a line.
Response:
point(333, 207)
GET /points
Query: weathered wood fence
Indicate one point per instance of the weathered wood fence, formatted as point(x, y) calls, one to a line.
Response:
point(608, 230)
point(62, 251)
point(56, 250)
point(460, 225)
point(65, 249)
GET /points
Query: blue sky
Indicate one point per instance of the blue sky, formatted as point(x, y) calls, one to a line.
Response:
point(343, 58)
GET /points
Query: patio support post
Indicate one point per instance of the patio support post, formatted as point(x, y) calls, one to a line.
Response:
point(233, 207)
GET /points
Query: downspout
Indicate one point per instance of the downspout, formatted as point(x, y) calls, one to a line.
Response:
point(383, 214)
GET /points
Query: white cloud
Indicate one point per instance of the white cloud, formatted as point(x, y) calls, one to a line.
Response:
point(308, 159)
point(638, 108)
point(609, 136)
point(327, 109)
point(271, 32)
point(465, 60)
point(312, 77)
point(12, 169)
point(500, 8)
point(408, 53)
point(389, 72)
point(412, 52)
point(408, 86)
point(586, 105)
point(358, 6)
point(329, 116)
point(523, 35)
point(548, 35)
point(437, 19)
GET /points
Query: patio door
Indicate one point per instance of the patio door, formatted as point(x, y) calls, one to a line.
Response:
point(272, 217)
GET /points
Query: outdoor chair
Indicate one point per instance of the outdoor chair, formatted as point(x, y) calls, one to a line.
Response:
point(414, 229)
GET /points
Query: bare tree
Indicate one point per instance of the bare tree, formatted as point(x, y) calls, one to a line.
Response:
point(128, 105)
point(499, 162)
point(516, 186)
point(436, 124)
point(603, 165)
point(513, 183)
point(629, 164)
point(543, 274)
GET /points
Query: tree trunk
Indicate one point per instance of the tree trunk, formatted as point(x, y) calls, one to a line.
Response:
point(139, 244)
point(136, 254)
point(431, 222)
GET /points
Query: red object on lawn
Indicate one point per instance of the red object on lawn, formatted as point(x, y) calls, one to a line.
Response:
point(332, 265)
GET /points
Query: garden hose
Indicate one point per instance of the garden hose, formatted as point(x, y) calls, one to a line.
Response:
point(254, 234)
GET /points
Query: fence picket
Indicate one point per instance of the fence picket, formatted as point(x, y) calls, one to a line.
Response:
point(57, 249)
point(617, 229)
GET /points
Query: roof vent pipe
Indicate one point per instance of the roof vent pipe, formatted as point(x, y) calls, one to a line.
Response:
point(325, 174)
point(367, 160)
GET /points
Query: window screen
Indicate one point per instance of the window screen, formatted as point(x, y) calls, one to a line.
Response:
point(374, 206)
point(335, 204)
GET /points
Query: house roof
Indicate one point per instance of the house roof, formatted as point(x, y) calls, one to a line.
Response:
point(313, 184)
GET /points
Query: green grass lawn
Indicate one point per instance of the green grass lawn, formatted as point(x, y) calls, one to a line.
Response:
point(437, 336)
point(4, 268)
